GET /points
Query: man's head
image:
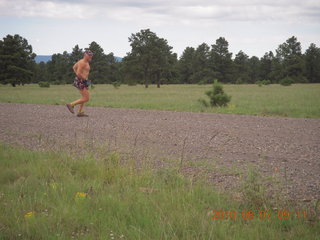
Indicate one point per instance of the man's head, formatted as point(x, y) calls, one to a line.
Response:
point(88, 55)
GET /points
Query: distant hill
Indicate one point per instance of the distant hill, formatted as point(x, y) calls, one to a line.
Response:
point(42, 58)
point(47, 58)
point(118, 59)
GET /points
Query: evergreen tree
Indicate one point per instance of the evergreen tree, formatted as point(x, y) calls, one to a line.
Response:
point(277, 72)
point(150, 56)
point(16, 60)
point(40, 74)
point(290, 57)
point(76, 54)
point(241, 64)
point(266, 66)
point(186, 65)
point(131, 70)
point(312, 58)
point(113, 69)
point(60, 69)
point(202, 71)
point(99, 64)
point(221, 60)
point(254, 70)
point(170, 73)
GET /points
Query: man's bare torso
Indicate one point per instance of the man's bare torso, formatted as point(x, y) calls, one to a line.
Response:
point(82, 69)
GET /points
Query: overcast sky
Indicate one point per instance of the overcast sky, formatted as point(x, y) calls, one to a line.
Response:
point(253, 26)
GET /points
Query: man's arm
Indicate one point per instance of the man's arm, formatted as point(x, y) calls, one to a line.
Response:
point(75, 67)
point(78, 69)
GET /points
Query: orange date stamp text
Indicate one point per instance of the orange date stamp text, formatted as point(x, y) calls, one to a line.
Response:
point(265, 214)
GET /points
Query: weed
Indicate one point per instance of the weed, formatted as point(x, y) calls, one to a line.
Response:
point(47, 195)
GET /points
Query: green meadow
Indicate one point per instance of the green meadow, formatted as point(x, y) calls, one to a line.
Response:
point(50, 195)
point(298, 100)
point(47, 195)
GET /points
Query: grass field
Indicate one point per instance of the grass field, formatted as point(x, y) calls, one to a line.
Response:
point(46, 195)
point(298, 100)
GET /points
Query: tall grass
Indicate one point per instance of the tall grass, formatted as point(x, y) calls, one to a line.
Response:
point(298, 100)
point(46, 195)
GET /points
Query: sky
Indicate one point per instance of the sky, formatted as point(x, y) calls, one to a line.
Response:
point(253, 26)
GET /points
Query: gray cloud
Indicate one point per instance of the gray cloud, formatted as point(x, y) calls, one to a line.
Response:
point(166, 10)
point(254, 26)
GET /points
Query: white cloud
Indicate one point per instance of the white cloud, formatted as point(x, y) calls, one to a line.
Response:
point(48, 9)
point(165, 10)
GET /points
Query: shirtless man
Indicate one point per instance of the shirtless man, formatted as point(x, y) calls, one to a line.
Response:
point(81, 69)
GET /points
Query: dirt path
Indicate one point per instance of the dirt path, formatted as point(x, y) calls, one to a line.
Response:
point(283, 147)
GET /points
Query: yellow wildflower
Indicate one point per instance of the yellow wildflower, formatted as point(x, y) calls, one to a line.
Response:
point(80, 195)
point(29, 214)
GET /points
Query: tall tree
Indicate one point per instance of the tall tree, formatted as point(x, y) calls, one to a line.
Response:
point(202, 71)
point(99, 67)
point(241, 67)
point(76, 54)
point(142, 44)
point(163, 58)
point(113, 69)
point(169, 73)
point(16, 60)
point(150, 55)
point(60, 69)
point(131, 70)
point(40, 74)
point(254, 69)
point(312, 58)
point(266, 66)
point(186, 65)
point(221, 60)
point(290, 57)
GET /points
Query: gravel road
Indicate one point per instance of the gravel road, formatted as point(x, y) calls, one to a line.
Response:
point(285, 148)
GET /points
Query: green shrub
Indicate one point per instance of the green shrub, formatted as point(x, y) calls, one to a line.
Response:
point(217, 96)
point(263, 82)
point(266, 82)
point(116, 85)
point(44, 84)
point(287, 81)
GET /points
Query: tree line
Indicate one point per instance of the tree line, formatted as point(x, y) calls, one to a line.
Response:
point(151, 61)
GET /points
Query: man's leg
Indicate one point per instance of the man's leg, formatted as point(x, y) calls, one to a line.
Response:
point(85, 98)
point(81, 107)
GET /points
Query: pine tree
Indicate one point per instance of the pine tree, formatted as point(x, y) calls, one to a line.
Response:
point(16, 60)
point(221, 60)
point(290, 57)
point(186, 65)
point(150, 57)
point(312, 58)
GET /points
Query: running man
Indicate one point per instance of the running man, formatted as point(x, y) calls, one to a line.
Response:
point(81, 69)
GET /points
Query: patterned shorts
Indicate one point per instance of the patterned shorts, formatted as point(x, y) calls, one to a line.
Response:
point(80, 83)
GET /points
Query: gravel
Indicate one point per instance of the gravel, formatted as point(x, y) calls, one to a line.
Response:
point(287, 149)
